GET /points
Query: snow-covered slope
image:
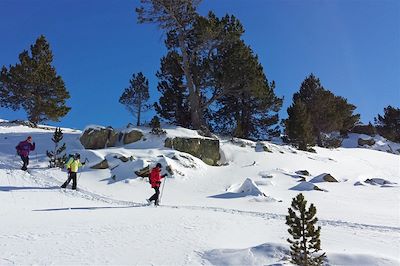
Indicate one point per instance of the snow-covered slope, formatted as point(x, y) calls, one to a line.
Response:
point(209, 215)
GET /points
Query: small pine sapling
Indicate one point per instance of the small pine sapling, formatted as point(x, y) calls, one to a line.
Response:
point(305, 245)
point(156, 126)
point(56, 157)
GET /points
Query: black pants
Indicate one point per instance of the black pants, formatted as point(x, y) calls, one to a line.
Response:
point(25, 160)
point(72, 175)
point(155, 196)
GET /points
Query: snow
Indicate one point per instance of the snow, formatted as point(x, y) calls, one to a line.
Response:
point(381, 144)
point(208, 215)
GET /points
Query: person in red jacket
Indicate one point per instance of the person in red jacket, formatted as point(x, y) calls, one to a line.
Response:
point(23, 148)
point(155, 182)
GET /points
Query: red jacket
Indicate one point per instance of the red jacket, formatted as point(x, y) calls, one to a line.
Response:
point(155, 177)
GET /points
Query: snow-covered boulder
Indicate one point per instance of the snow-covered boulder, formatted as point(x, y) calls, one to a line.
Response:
point(247, 188)
point(132, 136)
point(369, 142)
point(205, 149)
point(324, 178)
point(378, 181)
point(99, 137)
point(303, 172)
point(306, 186)
point(101, 165)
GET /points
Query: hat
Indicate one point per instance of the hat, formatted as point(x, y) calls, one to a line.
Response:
point(29, 138)
point(77, 155)
point(158, 165)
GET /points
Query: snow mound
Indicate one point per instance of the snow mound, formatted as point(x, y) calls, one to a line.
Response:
point(265, 174)
point(306, 186)
point(264, 182)
point(247, 188)
point(323, 178)
point(359, 259)
point(381, 143)
point(379, 182)
point(265, 254)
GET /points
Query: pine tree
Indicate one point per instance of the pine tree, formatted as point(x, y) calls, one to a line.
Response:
point(156, 126)
point(136, 96)
point(57, 158)
point(248, 106)
point(298, 126)
point(33, 84)
point(305, 243)
point(327, 111)
point(221, 67)
point(389, 125)
point(176, 18)
point(173, 104)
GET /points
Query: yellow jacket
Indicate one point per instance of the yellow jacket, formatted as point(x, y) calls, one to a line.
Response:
point(73, 164)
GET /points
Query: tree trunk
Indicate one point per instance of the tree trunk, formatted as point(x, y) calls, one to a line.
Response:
point(194, 99)
point(138, 117)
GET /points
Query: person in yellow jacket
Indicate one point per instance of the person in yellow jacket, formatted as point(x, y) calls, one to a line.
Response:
point(73, 165)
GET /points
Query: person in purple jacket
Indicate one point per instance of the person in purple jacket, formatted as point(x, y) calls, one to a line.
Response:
point(23, 149)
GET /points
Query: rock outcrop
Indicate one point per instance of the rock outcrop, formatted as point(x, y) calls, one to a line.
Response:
point(132, 136)
point(369, 142)
point(99, 138)
point(205, 149)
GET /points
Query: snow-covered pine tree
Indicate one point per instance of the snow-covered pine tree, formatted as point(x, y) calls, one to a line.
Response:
point(305, 245)
point(57, 159)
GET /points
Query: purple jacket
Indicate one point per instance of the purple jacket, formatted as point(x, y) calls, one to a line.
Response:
point(24, 147)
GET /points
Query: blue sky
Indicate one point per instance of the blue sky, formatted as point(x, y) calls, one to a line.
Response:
point(353, 46)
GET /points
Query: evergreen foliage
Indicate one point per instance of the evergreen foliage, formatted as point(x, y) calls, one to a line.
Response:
point(305, 244)
point(33, 84)
point(156, 126)
point(173, 104)
point(327, 112)
point(388, 125)
point(298, 126)
point(57, 158)
point(248, 106)
point(136, 96)
point(176, 18)
point(209, 73)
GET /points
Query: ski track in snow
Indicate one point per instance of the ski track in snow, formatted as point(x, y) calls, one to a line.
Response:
point(88, 195)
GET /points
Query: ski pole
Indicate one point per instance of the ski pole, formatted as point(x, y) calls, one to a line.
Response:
point(162, 189)
point(79, 176)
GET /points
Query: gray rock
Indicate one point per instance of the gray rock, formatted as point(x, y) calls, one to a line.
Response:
point(132, 136)
point(123, 158)
point(317, 188)
point(205, 149)
point(303, 172)
point(101, 165)
point(329, 178)
point(99, 138)
point(369, 142)
point(144, 172)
